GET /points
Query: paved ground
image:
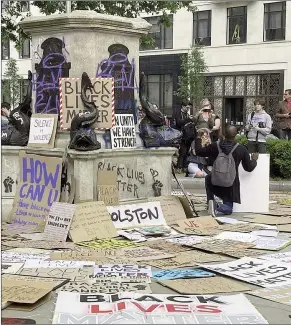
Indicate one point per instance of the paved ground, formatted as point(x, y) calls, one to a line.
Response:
point(274, 313)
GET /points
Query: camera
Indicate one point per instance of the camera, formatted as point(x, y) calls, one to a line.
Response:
point(261, 125)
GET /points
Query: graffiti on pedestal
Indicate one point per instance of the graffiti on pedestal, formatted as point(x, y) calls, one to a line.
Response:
point(157, 185)
point(53, 65)
point(123, 72)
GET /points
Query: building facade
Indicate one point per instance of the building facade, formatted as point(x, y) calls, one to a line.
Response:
point(247, 48)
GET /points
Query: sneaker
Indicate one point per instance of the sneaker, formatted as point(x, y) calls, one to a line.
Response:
point(211, 208)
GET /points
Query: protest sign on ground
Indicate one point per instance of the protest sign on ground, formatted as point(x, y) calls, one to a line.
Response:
point(281, 295)
point(107, 190)
point(181, 274)
point(107, 243)
point(10, 268)
point(34, 264)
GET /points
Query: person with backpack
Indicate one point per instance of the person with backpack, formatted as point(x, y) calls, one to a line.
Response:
point(185, 123)
point(224, 179)
point(258, 127)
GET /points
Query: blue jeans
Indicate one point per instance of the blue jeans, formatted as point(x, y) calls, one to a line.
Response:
point(225, 207)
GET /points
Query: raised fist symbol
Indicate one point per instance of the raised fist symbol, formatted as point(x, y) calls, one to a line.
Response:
point(157, 187)
point(8, 181)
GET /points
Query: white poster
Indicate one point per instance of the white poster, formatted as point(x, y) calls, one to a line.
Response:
point(130, 308)
point(271, 243)
point(123, 133)
point(253, 183)
point(267, 274)
point(10, 268)
point(15, 257)
point(41, 129)
point(34, 264)
point(137, 215)
point(128, 270)
point(281, 257)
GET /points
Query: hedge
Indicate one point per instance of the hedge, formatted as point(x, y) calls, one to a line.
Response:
point(280, 156)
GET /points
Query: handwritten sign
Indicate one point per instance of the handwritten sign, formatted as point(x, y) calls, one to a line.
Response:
point(267, 274)
point(91, 220)
point(42, 130)
point(107, 190)
point(102, 94)
point(38, 189)
point(181, 273)
point(59, 221)
point(34, 264)
point(137, 215)
point(123, 133)
point(143, 253)
point(11, 268)
point(16, 257)
point(83, 256)
point(281, 295)
point(200, 222)
point(107, 243)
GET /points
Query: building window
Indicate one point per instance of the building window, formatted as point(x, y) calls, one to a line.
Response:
point(4, 4)
point(25, 49)
point(237, 25)
point(24, 6)
point(162, 35)
point(5, 96)
point(160, 92)
point(5, 50)
point(275, 21)
point(202, 27)
point(23, 85)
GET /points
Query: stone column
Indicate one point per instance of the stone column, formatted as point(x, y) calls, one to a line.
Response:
point(66, 45)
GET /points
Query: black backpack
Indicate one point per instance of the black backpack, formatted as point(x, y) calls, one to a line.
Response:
point(189, 132)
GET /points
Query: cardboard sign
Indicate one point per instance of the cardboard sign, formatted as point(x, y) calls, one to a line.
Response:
point(76, 274)
point(243, 253)
point(216, 284)
point(181, 274)
point(200, 222)
point(268, 220)
point(267, 274)
point(186, 259)
point(220, 245)
point(82, 256)
point(59, 221)
point(10, 268)
point(107, 288)
point(165, 246)
point(143, 253)
point(34, 264)
point(25, 293)
point(107, 190)
point(123, 133)
point(171, 207)
point(76, 308)
point(137, 215)
point(196, 231)
point(281, 257)
point(91, 220)
point(71, 104)
point(15, 257)
point(107, 243)
point(187, 240)
point(258, 180)
point(40, 244)
point(281, 295)
point(38, 188)
point(42, 131)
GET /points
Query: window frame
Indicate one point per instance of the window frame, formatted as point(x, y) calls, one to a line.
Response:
point(283, 20)
point(21, 55)
point(162, 84)
point(245, 16)
point(196, 30)
point(162, 28)
point(28, 6)
point(23, 86)
point(8, 42)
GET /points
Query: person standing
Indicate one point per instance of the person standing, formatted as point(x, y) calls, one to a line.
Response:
point(258, 126)
point(184, 122)
point(204, 119)
point(284, 116)
point(216, 130)
point(228, 146)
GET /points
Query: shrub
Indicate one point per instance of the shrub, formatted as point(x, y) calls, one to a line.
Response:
point(280, 156)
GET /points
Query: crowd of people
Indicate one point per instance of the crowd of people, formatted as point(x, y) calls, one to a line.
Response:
point(258, 128)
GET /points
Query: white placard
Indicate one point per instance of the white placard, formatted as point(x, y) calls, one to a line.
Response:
point(10, 268)
point(281, 257)
point(15, 257)
point(267, 274)
point(271, 243)
point(237, 236)
point(34, 264)
point(123, 133)
point(123, 269)
point(58, 221)
point(41, 129)
point(137, 215)
point(76, 308)
point(253, 183)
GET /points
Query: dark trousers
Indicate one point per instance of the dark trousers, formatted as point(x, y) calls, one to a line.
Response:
point(285, 134)
point(183, 154)
point(260, 147)
point(224, 208)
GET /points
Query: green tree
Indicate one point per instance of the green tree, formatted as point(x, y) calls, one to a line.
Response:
point(11, 83)
point(191, 80)
point(11, 16)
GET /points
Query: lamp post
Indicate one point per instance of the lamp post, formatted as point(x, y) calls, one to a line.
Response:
point(68, 7)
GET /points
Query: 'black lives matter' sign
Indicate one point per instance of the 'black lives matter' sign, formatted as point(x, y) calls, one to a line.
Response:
point(102, 94)
point(123, 133)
